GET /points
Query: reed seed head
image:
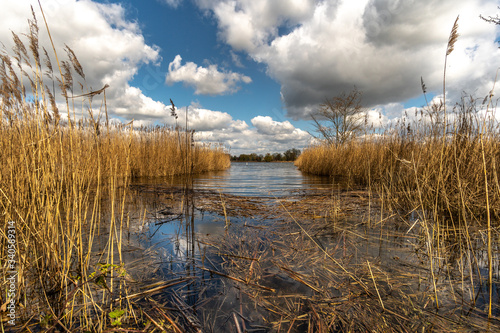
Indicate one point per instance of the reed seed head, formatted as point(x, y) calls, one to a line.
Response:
point(33, 38)
point(453, 37)
point(74, 60)
point(47, 63)
point(18, 48)
point(422, 84)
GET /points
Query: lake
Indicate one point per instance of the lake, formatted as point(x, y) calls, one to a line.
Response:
point(242, 180)
point(260, 179)
point(261, 244)
point(249, 179)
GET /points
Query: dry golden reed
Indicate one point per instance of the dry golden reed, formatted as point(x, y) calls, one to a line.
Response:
point(440, 170)
point(64, 185)
point(448, 186)
point(439, 162)
point(401, 164)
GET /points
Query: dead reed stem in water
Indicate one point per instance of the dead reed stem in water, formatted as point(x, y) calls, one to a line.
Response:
point(375, 284)
point(322, 249)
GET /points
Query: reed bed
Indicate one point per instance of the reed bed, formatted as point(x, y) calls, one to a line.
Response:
point(63, 184)
point(155, 151)
point(441, 176)
point(441, 162)
point(438, 172)
point(414, 169)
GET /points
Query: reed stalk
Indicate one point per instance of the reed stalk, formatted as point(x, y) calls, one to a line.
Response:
point(65, 187)
point(487, 197)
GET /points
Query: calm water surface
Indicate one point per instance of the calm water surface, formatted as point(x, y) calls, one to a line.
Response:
point(172, 228)
point(259, 179)
point(175, 229)
point(251, 179)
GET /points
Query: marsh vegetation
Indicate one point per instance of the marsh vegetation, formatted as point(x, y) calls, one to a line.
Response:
point(114, 234)
point(437, 171)
point(63, 181)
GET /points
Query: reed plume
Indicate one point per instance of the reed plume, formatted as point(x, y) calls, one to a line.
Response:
point(453, 38)
point(449, 48)
point(74, 60)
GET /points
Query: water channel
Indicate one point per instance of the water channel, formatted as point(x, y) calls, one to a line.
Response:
point(197, 233)
point(253, 179)
point(167, 217)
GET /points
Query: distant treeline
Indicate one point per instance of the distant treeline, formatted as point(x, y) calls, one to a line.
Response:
point(289, 155)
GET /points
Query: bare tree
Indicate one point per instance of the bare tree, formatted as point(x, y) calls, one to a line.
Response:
point(341, 118)
point(491, 19)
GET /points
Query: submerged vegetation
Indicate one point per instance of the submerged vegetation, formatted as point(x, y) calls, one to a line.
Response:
point(62, 187)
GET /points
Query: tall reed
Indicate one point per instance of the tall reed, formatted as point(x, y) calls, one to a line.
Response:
point(398, 159)
point(406, 167)
point(440, 167)
point(63, 185)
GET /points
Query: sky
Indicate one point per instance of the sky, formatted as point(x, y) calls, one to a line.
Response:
point(251, 72)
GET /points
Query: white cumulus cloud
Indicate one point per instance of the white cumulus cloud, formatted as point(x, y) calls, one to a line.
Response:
point(319, 49)
point(206, 81)
point(109, 47)
point(204, 120)
point(248, 24)
point(266, 125)
point(265, 136)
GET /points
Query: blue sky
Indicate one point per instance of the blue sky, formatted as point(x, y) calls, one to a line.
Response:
point(252, 71)
point(187, 31)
